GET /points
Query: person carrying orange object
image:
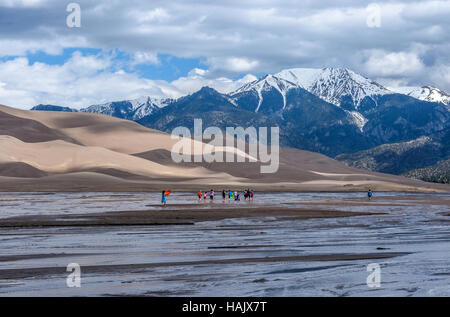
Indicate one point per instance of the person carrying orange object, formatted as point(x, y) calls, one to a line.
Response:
point(163, 198)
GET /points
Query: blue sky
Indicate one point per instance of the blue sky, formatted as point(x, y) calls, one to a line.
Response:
point(124, 50)
point(168, 68)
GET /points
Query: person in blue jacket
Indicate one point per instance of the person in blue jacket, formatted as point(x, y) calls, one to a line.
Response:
point(163, 198)
point(369, 194)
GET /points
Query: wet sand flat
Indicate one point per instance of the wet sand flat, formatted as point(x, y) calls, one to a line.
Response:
point(117, 269)
point(172, 216)
point(281, 244)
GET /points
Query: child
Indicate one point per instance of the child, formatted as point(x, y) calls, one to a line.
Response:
point(199, 194)
point(211, 194)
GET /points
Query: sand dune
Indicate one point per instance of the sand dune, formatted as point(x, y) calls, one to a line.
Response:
point(28, 130)
point(92, 130)
point(60, 157)
point(98, 130)
point(81, 151)
point(17, 169)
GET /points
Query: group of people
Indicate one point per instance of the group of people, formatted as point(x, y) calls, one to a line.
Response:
point(231, 195)
point(204, 195)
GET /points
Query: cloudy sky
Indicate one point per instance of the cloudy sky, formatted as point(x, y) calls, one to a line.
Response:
point(127, 49)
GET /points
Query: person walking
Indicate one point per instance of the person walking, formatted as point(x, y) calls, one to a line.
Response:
point(163, 198)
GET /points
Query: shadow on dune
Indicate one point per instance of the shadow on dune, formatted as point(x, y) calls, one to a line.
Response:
point(28, 130)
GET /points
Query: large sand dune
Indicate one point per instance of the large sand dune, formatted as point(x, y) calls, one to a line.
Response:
point(55, 151)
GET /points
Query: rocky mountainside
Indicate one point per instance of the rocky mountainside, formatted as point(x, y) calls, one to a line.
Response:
point(397, 158)
point(438, 173)
point(214, 108)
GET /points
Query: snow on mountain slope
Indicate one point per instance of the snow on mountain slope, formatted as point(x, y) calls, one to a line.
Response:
point(425, 93)
point(358, 119)
point(130, 109)
point(332, 84)
point(267, 83)
point(149, 106)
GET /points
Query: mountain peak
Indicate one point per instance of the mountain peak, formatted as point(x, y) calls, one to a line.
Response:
point(42, 107)
point(207, 89)
point(425, 93)
point(333, 84)
point(265, 84)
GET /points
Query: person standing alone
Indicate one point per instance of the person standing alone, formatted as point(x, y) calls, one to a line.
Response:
point(163, 198)
point(370, 194)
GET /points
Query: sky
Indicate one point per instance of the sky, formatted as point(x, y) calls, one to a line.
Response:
point(128, 49)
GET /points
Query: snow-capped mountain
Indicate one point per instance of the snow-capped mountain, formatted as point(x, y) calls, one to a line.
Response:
point(266, 84)
point(426, 93)
point(334, 84)
point(130, 109)
point(330, 85)
point(146, 106)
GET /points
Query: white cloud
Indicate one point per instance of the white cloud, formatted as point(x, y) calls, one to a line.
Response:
point(81, 81)
point(21, 3)
point(145, 16)
point(145, 58)
point(238, 37)
point(441, 76)
point(233, 64)
point(394, 64)
point(87, 80)
point(198, 78)
point(16, 47)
